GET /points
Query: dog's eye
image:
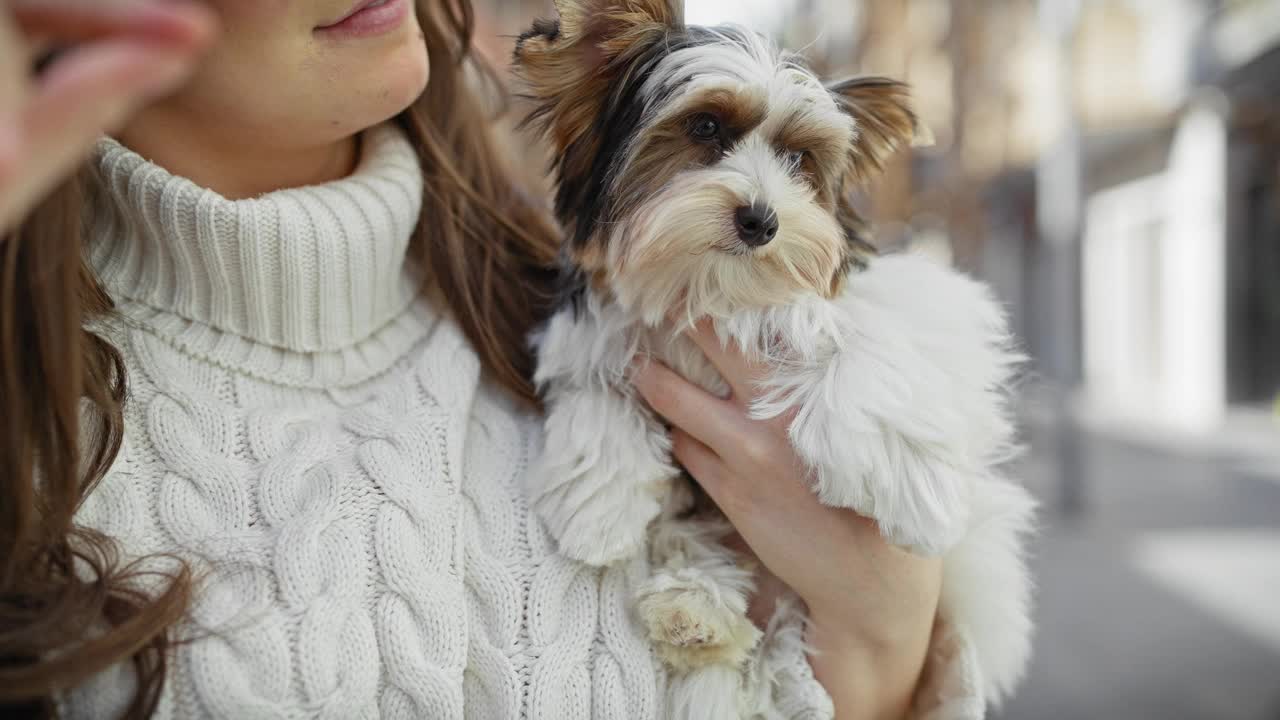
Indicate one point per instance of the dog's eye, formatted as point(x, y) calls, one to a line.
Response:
point(705, 127)
point(796, 158)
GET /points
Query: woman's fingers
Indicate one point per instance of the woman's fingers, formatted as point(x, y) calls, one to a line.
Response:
point(69, 21)
point(90, 91)
point(733, 491)
point(741, 374)
point(729, 491)
point(701, 461)
point(92, 87)
point(714, 422)
point(126, 54)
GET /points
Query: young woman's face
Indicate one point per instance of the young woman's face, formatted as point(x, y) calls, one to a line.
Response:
point(298, 73)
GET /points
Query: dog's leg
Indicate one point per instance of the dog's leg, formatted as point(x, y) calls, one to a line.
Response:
point(695, 607)
point(602, 475)
point(605, 465)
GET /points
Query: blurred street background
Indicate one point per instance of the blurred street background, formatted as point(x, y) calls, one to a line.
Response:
point(1112, 167)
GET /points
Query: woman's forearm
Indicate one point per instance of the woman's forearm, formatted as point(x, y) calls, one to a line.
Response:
point(867, 678)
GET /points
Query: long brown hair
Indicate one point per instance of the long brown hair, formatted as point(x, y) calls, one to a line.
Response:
point(69, 607)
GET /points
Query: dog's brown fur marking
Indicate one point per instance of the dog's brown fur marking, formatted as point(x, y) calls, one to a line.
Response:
point(566, 66)
point(885, 121)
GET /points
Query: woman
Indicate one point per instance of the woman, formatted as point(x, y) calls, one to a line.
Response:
point(317, 277)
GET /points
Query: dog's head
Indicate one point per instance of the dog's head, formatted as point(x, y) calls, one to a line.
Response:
point(700, 170)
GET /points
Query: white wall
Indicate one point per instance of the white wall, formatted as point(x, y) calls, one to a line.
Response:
point(1154, 286)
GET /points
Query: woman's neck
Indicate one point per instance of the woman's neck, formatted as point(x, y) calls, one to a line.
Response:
point(231, 163)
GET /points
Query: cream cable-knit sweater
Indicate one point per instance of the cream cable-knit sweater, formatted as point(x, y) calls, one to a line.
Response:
point(312, 434)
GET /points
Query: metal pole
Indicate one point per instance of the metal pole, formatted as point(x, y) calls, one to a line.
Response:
point(1060, 205)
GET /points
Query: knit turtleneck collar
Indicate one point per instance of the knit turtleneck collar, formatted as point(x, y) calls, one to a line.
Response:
point(316, 272)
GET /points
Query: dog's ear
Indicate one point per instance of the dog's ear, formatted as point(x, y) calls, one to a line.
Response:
point(606, 19)
point(565, 65)
point(885, 121)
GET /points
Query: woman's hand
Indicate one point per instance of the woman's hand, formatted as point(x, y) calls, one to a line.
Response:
point(119, 54)
point(872, 606)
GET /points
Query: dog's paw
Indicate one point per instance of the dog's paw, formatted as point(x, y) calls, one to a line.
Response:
point(692, 628)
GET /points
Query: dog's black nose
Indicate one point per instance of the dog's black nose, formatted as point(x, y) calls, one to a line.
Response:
point(757, 224)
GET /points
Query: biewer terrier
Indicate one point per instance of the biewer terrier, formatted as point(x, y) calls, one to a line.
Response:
point(702, 173)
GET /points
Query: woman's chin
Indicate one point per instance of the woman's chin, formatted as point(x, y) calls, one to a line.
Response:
point(389, 91)
point(407, 79)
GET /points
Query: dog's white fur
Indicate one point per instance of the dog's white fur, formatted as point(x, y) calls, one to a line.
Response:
point(899, 387)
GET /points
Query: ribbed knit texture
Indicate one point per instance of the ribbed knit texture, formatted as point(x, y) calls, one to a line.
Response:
point(307, 431)
point(313, 278)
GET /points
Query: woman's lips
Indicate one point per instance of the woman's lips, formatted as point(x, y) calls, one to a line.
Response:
point(373, 17)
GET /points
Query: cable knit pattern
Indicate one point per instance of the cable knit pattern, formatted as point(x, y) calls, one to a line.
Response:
point(317, 441)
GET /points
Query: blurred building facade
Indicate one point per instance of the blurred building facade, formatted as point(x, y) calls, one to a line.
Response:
point(1112, 166)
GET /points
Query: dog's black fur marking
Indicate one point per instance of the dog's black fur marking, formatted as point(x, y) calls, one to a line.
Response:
point(584, 197)
point(588, 198)
point(571, 288)
point(549, 29)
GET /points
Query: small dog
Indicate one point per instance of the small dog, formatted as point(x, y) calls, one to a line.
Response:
point(701, 173)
